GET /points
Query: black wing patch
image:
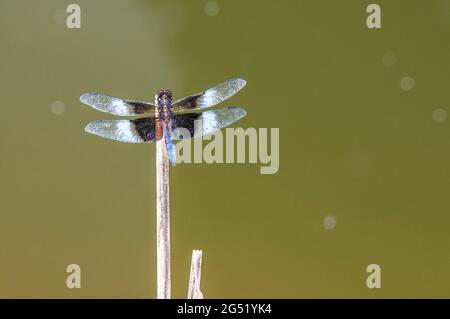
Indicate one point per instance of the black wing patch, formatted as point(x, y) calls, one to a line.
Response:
point(143, 130)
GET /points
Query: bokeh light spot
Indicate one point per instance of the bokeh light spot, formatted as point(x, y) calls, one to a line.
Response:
point(439, 115)
point(329, 222)
point(407, 83)
point(212, 8)
point(389, 58)
point(57, 107)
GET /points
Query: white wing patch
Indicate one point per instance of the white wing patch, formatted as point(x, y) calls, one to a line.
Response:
point(209, 122)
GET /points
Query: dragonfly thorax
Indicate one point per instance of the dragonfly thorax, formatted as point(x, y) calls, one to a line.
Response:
point(164, 97)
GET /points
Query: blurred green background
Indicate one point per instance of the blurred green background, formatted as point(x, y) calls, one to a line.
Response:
point(364, 148)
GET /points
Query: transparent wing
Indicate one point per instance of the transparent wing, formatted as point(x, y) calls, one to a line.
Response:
point(144, 130)
point(189, 125)
point(116, 105)
point(209, 97)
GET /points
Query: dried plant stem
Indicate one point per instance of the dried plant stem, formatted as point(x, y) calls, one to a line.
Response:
point(195, 275)
point(162, 222)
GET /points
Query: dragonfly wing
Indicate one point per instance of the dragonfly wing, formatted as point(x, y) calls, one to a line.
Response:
point(209, 97)
point(116, 105)
point(185, 126)
point(143, 130)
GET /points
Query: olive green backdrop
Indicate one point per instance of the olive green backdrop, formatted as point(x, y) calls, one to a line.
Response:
point(364, 155)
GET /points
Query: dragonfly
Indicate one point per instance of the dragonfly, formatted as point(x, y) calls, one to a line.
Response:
point(165, 119)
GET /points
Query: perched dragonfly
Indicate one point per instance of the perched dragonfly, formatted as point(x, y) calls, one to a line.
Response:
point(165, 119)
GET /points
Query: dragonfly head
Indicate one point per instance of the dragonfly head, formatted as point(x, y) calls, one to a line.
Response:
point(164, 97)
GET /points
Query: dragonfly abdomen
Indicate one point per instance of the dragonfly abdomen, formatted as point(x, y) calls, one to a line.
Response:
point(165, 118)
